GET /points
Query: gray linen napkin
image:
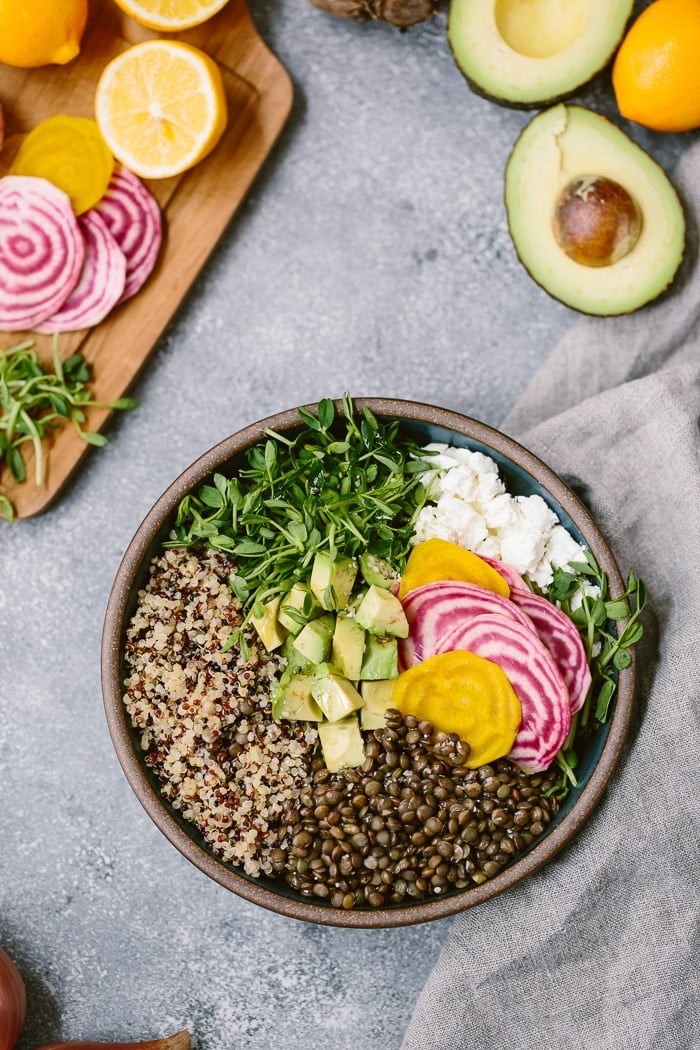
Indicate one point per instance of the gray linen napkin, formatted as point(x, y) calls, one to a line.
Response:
point(600, 948)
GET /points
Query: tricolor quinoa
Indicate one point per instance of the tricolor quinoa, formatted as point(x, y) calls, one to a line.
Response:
point(204, 714)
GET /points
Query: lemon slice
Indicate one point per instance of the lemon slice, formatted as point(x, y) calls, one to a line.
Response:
point(171, 14)
point(161, 107)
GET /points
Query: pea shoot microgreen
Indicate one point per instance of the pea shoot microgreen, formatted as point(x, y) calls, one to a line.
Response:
point(345, 482)
point(34, 400)
point(596, 615)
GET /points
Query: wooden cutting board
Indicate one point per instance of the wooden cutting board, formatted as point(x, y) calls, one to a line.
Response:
point(196, 206)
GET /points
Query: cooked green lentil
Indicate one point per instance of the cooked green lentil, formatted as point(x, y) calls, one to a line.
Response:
point(412, 822)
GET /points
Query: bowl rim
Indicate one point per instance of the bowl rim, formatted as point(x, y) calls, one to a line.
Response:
point(159, 810)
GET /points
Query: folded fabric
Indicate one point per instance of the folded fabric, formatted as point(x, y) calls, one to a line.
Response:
point(599, 949)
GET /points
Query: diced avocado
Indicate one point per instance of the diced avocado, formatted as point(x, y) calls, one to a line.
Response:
point(332, 579)
point(354, 601)
point(381, 659)
point(381, 612)
point(292, 699)
point(377, 571)
point(341, 743)
point(377, 697)
point(348, 646)
point(269, 629)
point(314, 640)
point(296, 661)
point(335, 695)
point(297, 607)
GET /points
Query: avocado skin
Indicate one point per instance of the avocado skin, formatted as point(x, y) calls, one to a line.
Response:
point(663, 291)
point(528, 107)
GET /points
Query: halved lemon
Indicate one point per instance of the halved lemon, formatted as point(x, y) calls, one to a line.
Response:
point(171, 15)
point(161, 107)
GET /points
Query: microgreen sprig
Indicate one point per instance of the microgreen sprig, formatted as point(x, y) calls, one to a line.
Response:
point(609, 651)
point(344, 483)
point(34, 400)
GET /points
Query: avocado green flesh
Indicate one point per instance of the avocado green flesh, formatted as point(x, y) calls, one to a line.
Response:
point(525, 52)
point(568, 141)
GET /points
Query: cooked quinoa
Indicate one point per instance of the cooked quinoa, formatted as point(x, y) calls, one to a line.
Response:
point(204, 715)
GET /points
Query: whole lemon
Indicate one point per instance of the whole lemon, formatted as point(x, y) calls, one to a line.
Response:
point(656, 74)
point(40, 32)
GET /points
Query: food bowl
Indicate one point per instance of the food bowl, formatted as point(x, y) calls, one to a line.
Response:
point(524, 475)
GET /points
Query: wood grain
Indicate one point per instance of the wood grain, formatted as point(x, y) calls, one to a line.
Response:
point(196, 206)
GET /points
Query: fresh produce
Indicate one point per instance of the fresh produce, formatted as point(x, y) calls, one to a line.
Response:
point(656, 73)
point(178, 1041)
point(588, 253)
point(436, 609)
point(526, 54)
point(401, 13)
point(161, 107)
point(41, 251)
point(13, 1002)
point(459, 691)
point(34, 401)
point(561, 638)
point(71, 153)
point(438, 559)
point(41, 32)
point(343, 487)
point(171, 15)
point(101, 282)
point(535, 677)
point(133, 218)
point(85, 265)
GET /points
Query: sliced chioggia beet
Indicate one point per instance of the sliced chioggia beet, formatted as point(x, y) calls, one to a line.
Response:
point(435, 609)
point(509, 574)
point(41, 251)
point(562, 639)
point(531, 670)
point(133, 218)
point(101, 281)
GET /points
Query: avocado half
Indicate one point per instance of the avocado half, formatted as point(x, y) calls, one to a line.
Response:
point(527, 52)
point(557, 146)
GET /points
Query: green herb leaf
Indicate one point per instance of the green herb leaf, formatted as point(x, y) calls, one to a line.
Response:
point(34, 400)
point(338, 484)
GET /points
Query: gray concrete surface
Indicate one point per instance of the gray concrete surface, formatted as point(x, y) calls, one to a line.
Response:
point(371, 255)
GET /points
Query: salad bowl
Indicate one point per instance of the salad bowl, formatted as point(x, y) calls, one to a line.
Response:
point(175, 811)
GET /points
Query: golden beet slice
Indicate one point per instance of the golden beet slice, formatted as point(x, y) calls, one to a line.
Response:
point(438, 559)
point(460, 692)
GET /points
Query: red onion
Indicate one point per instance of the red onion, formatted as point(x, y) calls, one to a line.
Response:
point(178, 1041)
point(13, 1002)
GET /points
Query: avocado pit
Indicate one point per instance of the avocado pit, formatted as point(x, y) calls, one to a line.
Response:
point(596, 222)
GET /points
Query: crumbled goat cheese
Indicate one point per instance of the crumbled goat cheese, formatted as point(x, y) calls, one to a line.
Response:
point(470, 506)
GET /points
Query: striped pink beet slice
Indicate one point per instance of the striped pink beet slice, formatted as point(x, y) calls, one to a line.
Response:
point(101, 280)
point(533, 674)
point(436, 608)
point(563, 641)
point(41, 250)
point(509, 574)
point(133, 218)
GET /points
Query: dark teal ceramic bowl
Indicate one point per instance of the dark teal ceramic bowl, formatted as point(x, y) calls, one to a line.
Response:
point(523, 474)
